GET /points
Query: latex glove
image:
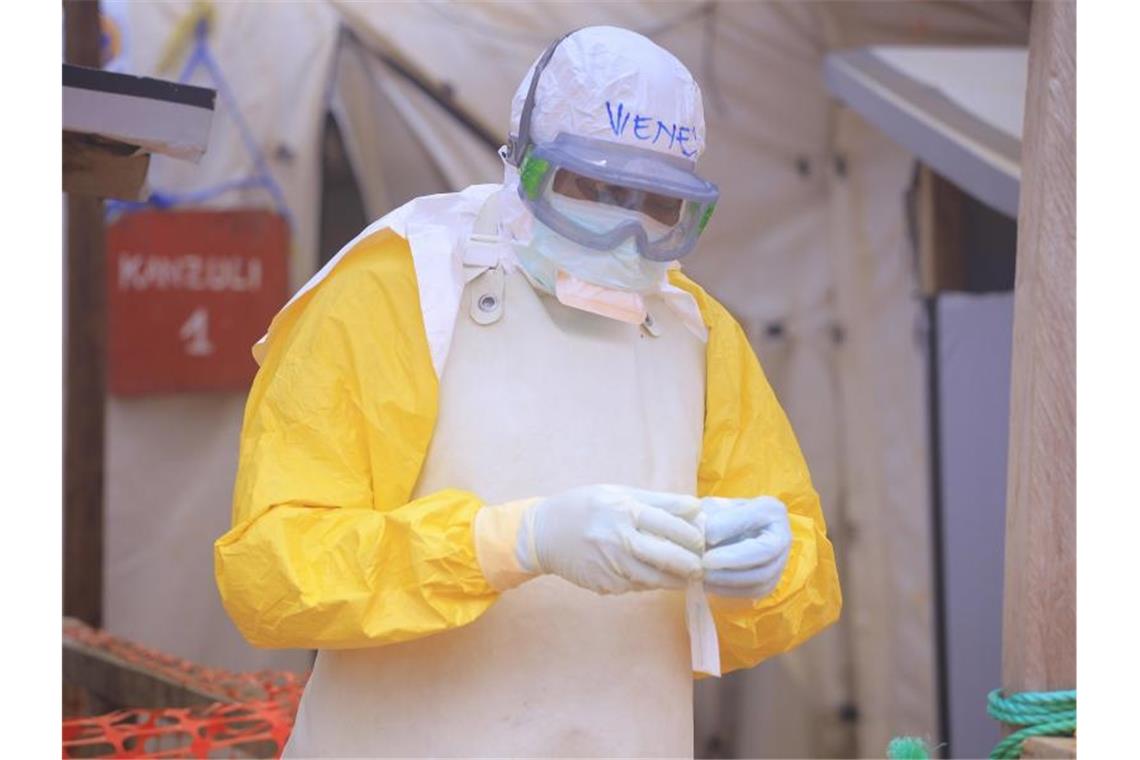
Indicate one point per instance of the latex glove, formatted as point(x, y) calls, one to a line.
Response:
point(608, 539)
point(747, 545)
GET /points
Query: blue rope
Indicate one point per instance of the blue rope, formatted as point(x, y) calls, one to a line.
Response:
point(163, 200)
point(262, 176)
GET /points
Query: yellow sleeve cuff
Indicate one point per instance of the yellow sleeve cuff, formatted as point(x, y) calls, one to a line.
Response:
point(496, 534)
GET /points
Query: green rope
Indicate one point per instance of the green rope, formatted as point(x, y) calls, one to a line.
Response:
point(1042, 713)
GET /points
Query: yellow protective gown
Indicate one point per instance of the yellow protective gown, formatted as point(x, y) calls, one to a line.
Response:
point(536, 397)
point(327, 550)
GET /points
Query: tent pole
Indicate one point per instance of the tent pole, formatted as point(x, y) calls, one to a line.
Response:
point(1039, 625)
point(84, 368)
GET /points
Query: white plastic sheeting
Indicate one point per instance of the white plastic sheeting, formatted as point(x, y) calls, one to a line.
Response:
point(931, 102)
point(885, 461)
point(401, 143)
point(987, 82)
point(808, 243)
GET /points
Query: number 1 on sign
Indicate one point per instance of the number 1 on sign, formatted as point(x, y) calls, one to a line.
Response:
point(194, 333)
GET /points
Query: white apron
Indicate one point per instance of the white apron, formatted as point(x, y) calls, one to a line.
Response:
point(541, 398)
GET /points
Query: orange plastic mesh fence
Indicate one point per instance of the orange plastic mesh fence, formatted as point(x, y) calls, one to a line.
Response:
point(252, 718)
point(252, 729)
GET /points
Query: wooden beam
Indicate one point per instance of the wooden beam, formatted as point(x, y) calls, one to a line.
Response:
point(103, 168)
point(106, 680)
point(1054, 747)
point(84, 368)
point(113, 684)
point(1039, 626)
point(941, 257)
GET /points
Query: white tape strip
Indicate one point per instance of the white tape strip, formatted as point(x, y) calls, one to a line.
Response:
point(703, 644)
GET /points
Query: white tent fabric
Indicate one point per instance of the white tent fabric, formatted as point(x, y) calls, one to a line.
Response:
point(171, 459)
point(808, 244)
point(402, 145)
point(885, 470)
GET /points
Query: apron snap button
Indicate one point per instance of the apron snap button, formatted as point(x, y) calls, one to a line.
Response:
point(649, 326)
point(487, 299)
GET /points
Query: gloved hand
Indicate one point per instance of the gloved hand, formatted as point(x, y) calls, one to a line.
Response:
point(608, 539)
point(747, 542)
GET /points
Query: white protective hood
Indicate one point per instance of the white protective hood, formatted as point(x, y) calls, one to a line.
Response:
point(614, 84)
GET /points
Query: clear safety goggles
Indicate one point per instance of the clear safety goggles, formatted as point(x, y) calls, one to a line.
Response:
point(662, 190)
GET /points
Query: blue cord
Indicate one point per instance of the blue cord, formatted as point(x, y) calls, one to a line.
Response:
point(262, 177)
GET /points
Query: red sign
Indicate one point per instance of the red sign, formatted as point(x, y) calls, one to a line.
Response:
point(189, 292)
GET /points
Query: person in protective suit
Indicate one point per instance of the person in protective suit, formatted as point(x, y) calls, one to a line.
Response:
point(510, 472)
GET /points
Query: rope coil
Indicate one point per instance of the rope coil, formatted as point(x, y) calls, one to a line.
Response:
point(1041, 713)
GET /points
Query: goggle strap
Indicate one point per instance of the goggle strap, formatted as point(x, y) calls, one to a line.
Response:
point(519, 143)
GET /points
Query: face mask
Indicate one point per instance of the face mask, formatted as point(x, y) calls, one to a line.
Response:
point(620, 268)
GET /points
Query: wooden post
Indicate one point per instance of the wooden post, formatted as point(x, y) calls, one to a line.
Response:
point(1039, 633)
point(84, 368)
point(941, 255)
